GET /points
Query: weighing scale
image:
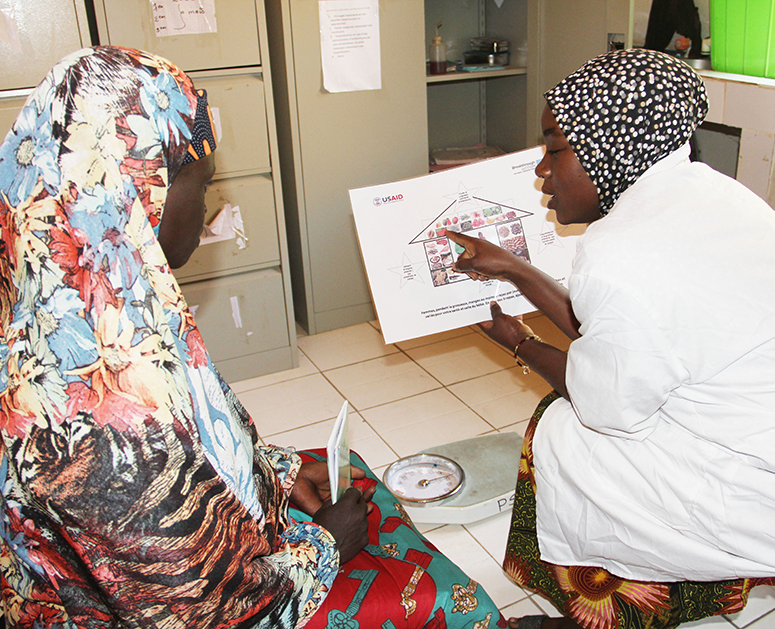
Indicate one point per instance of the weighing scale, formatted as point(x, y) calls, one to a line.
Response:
point(460, 482)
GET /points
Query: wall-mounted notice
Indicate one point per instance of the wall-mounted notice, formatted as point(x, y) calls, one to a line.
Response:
point(183, 17)
point(349, 45)
point(409, 260)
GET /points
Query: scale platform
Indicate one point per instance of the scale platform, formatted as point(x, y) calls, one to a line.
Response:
point(491, 465)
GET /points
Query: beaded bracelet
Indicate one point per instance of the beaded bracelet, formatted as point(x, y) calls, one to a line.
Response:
point(525, 367)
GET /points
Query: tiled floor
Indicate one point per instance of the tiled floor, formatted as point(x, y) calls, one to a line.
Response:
point(417, 394)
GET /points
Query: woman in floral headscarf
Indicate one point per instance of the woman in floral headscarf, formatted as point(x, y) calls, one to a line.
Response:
point(121, 478)
point(135, 492)
point(645, 494)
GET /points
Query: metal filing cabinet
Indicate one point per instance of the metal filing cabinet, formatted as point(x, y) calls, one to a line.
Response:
point(238, 288)
point(244, 316)
point(235, 44)
point(331, 143)
point(61, 24)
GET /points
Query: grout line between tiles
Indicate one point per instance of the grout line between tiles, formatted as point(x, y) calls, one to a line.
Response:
point(291, 379)
point(357, 410)
point(464, 403)
point(758, 620)
point(376, 432)
point(310, 360)
point(280, 432)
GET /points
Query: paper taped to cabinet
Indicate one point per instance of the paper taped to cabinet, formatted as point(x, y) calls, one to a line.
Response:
point(227, 224)
point(409, 261)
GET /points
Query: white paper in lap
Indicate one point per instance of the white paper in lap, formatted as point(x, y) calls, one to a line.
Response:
point(409, 261)
point(338, 455)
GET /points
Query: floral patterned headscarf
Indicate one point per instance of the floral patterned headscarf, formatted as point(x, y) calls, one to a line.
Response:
point(115, 427)
point(90, 304)
point(624, 111)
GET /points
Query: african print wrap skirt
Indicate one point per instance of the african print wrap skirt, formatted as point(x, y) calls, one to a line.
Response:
point(400, 580)
point(593, 597)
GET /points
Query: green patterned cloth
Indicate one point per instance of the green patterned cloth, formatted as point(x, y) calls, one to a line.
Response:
point(593, 597)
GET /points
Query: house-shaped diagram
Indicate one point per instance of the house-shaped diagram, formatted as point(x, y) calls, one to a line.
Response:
point(495, 222)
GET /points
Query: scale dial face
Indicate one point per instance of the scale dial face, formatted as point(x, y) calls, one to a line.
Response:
point(422, 478)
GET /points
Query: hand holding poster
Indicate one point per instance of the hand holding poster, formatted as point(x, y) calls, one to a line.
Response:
point(409, 261)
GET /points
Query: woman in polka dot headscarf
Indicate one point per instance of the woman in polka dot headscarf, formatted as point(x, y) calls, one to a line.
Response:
point(646, 105)
point(645, 494)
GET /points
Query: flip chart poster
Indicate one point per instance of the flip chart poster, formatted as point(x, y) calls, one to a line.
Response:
point(401, 228)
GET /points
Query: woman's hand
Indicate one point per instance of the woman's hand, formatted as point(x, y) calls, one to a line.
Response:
point(312, 487)
point(547, 361)
point(481, 259)
point(347, 521)
point(505, 329)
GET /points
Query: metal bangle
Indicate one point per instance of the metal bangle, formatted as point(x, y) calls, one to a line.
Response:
point(525, 367)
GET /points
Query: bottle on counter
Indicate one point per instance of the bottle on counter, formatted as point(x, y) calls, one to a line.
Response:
point(438, 54)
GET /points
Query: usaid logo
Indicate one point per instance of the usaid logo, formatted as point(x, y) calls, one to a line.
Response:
point(389, 199)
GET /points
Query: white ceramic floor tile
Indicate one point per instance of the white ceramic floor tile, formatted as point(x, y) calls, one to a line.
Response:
point(425, 527)
point(504, 397)
point(305, 368)
point(765, 622)
point(287, 405)
point(379, 470)
point(492, 533)
point(524, 607)
point(363, 440)
point(434, 338)
point(761, 602)
point(548, 608)
point(425, 420)
point(381, 380)
point(462, 358)
point(518, 427)
point(345, 346)
point(457, 544)
point(304, 438)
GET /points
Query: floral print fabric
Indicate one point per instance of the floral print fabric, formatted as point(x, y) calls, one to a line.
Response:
point(134, 491)
point(593, 597)
point(625, 110)
point(400, 580)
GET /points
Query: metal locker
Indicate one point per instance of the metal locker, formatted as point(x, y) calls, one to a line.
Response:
point(243, 321)
point(234, 42)
point(38, 33)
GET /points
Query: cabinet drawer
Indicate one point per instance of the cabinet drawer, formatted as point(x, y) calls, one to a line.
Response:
point(235, 42)
point(45, 31)
point(255, 198)
point(239, 100)
point(240, 315)
point(10, 108)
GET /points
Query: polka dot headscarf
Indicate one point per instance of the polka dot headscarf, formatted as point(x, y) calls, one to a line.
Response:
point(624, 111)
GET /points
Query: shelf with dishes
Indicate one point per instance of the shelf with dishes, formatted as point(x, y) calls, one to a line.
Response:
point(481, 72)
